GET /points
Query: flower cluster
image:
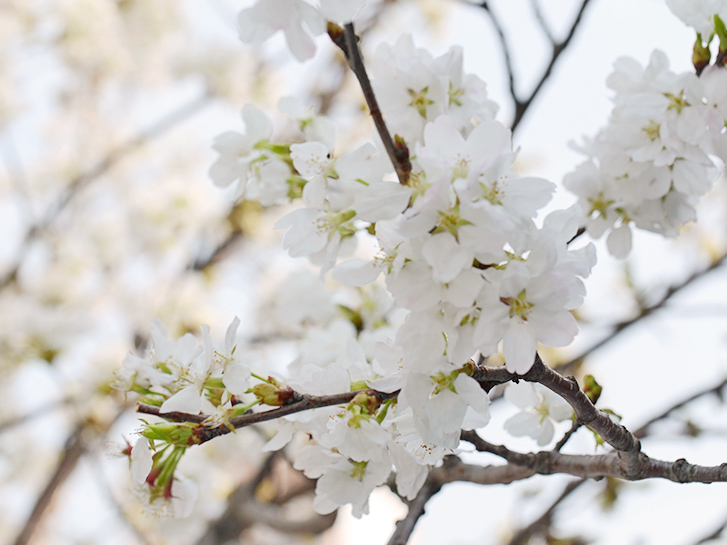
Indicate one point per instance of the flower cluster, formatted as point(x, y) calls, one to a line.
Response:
point(298, 19)
point(653, 161)
point(461, 255)
point(467, 268)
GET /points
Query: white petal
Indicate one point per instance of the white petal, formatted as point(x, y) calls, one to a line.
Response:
point(186, 400)
point(141, 460)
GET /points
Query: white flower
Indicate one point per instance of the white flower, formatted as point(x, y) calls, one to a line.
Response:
point(699, 14)
point(296, 18)
point(237, 150)
point(184, 496)
point(410, 471)
point(439, 404)
point(341, 480)
point(540, 409)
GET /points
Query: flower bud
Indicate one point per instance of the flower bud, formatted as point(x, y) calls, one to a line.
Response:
point(273, 393)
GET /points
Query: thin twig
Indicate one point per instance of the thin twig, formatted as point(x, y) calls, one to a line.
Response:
point(522, 105)
point(643, 430)
point(506, 53)
point(575, 426)
point(543, 521)
point(397, 151)
point(544, 26)
point(301, 402)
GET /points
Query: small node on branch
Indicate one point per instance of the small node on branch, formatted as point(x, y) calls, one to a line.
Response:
point(402, 158)
point(338, 37)
point(591, 388)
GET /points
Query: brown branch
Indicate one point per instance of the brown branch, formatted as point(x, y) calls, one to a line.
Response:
point(598, 466)
point(540, 524)
point(506, 53)
point(453, 470)
point(200, 263)
point(484, 475)
point(302, 402)
point(629, 447)
point(103, 166)
point(405, 526)
point(522, 105)
point(244, 511)
point(397, 151)
point(642, 431)
point(575, 426)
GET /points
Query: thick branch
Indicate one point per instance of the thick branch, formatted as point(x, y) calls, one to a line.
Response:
point(601, 465)
point(587, 414)
point(484, 475)
point(347, 41)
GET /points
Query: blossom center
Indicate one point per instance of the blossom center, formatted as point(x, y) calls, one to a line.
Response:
point(652, 130)
point(359, 470)
point(519, 306)
point(420, 100)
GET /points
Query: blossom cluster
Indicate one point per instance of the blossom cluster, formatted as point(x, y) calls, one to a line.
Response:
point(656, 157)
point(468, 266)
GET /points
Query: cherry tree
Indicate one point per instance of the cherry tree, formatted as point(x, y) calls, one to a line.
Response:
point(430, 340)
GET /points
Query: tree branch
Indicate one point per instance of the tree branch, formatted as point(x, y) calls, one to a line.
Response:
point(540, 524)
point(506, 53)
point(397, 151)
point(535, 6)
point(405, 526)
point(598, 466)
point(522, 105)
point(629, 447)
point(642, 431)
point(301, 402)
